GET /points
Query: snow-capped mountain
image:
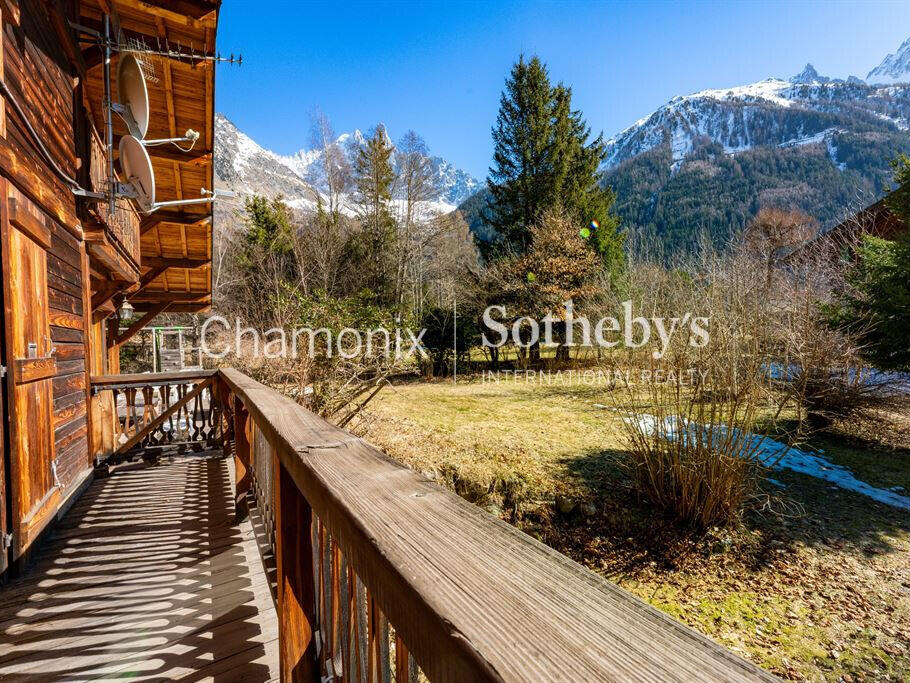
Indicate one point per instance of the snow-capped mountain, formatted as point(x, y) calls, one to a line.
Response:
point(894, 68)
point(770, 112)
point(245, 167)
point(705, 163)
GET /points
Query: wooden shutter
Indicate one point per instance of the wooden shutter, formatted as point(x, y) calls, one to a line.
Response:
point(34, 492)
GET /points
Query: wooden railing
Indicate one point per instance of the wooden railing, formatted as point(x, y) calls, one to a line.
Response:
point(381, 572)
point(155, 413)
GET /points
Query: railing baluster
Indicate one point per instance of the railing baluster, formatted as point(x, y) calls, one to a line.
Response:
point(326, 590)
point(346, 621)
point(148, 408)
point(385, 664)
point(296, 600)
point(363, 637)
point(357, 633)
point(372, 641)
point(402, 661)
point(242, 469)
point(337, 607)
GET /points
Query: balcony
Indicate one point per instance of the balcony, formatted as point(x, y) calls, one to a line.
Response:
point(257, 539)
point(112, 237)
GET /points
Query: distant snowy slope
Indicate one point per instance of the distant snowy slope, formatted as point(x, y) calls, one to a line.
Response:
point(706, 163)
point(246, 167)
point(894, 68)
point(770, 112)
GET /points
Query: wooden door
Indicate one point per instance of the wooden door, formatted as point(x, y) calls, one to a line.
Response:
point(4, 525)
point(30, 368)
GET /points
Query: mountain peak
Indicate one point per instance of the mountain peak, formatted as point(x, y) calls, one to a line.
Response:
point(809, 75)
point(247, 167)
point(895, 68)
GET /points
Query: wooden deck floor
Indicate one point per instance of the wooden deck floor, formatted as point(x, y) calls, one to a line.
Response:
point(147, 577)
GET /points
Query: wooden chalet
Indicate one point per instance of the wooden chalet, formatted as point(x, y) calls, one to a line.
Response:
point(876, 220)
point(842, 240)
point(198, 524)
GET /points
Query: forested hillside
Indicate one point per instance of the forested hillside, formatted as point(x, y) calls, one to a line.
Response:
point(716, 194)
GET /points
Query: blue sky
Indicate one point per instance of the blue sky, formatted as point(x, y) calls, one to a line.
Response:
point(439, 67)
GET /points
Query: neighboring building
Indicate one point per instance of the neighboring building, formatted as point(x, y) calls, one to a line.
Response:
point(842, 240)
point(877, 220)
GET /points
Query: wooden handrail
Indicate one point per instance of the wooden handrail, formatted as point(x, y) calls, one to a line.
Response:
point(469, 596)
point(150, 414)
point(142, 379)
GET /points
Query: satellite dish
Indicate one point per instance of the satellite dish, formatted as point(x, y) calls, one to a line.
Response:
point(133, 95)
point(137, 167)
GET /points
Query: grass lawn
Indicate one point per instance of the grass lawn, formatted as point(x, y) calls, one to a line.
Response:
point(818, 589)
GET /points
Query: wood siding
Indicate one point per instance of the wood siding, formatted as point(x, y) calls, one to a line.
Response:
point(44, 294)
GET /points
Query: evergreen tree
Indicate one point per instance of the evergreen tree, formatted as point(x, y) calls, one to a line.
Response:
point(267, 224)
point(520, 179)
point(876, 303)
point(265, 256)
point(543, 159)
point(373, 181)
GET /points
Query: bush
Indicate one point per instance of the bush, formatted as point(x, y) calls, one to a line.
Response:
point(690, 447)
point(698, 484)
point(443, 335)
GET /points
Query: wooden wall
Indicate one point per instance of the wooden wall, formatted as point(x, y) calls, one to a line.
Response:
point(55, 304)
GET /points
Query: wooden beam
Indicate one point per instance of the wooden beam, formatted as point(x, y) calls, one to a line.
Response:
point(189, 308)
point(33, 369)
point(201, 10)
point(65, 36)
point(93, 56)
point(147, 299)
point(166, 216)
point(172, 297)
point(158, 261)
point(103, 311)
point(4, 17)
point(34, 180)
point(139, 324)
point(193, 157)
point(146, 279)
point(144, 379)
point(242, 464)
point(158, 421)
point(179, 17)
point(10, 11)
point(28, 224)
point(102, 296)
point(111, 259)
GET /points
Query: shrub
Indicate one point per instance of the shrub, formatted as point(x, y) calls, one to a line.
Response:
point(690, 446)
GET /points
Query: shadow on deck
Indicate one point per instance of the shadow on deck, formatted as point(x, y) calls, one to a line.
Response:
point(148, 576)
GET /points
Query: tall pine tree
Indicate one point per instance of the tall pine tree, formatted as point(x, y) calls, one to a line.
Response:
point(876, 303)
point(520, 179)
point(373, 180)
point(543, 159)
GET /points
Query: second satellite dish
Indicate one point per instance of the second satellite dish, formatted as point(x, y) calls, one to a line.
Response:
point(137, 167)
point(133, 106)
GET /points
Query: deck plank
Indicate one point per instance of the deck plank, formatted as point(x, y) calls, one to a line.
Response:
point(148, 577)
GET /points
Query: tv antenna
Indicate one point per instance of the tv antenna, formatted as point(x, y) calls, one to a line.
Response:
point(136, 68)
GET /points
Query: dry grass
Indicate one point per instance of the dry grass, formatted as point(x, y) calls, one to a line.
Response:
point(822, 596)
point(495, 443)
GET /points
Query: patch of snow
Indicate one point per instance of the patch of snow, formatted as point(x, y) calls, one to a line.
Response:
point(773, 454)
